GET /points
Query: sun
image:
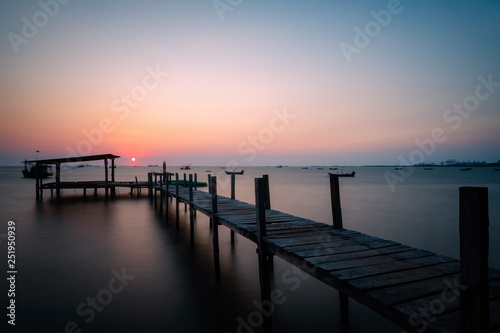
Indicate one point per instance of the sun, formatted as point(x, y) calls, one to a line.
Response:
point(133, 159)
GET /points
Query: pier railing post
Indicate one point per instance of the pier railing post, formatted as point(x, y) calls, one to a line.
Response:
point(150, 186)
point(474, 248)
point(38, 176)
point(58, 179)
point(233, 196)
point(191, 214)
point(215, 228)
point(338, 224)
point(264, 266)
point(106, 189)
point(335, 199)
point(267, 192)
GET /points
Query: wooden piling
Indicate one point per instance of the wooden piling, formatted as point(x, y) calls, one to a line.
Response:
point(58, 179)
point(264, 266)
point(150, 186)
point(215, 228)
point(474, 248)
point(177, 200)
point(38, 176)
point(106, 182)
point(338, 224)
point(267, 191)
point(233, 196)
point(335, 200)
point(191, 208)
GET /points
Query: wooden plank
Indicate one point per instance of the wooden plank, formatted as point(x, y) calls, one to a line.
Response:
point(357, 253)
point(414, 289)
point(375, 260)
point(365, 280)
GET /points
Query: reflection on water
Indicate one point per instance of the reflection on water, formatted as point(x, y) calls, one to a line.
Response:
point(68, 249)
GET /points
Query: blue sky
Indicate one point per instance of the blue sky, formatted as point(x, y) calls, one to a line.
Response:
point(225, 78)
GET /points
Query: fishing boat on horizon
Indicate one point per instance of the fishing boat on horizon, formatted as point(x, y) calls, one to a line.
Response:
point(31, 172)
point(428, 169)
point(186, 167)
point(352, 174)
point(234, 172)
point(466, 169)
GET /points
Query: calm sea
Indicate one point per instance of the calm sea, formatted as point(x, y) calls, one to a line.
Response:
point(119, 266)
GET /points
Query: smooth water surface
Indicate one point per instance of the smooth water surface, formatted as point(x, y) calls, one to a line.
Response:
point(69, 251)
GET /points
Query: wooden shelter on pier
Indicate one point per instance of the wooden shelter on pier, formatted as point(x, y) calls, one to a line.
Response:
point(108, 184)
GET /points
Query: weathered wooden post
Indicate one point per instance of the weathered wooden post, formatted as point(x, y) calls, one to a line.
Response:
point(264, 266)
point(191, 215)
point(338, 224)
point(113, 189)
point(167, 183)
point(195, 186)
point(233, 196)
point(155, 189)
point(38, 176)
point(164, 171)
point(335, 199)
point(58, 179)
point(210, 191)
point(150, 186)
point(177, 199)
point(267, 192)
point(474, 248)
point(215, 229)
point(106, 184)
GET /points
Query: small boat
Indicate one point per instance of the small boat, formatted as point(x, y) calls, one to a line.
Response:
point(208, 170)
point(222, 167)
point(398, 168)
point(320, 168)
point(31, 173)
point(466, 169)
point(305, 168)
point(343, 174)
point(279, 166)
point(186, 167)
point(81, 166)
point(234, 172)
point(428, 168)
point(333, 168)
point(153, 165)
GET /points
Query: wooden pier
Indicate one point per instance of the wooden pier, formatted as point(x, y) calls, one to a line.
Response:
point(109, 185)
point(418, 290)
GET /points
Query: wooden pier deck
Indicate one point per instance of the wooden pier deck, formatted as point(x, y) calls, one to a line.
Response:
point(414, 288)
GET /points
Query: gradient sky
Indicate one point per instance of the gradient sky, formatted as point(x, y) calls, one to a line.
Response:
point(229, 79)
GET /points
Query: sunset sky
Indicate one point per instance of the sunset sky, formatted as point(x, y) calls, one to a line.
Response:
point(253, 81)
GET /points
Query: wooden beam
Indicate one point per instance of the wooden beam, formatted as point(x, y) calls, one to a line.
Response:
point(474, 248)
